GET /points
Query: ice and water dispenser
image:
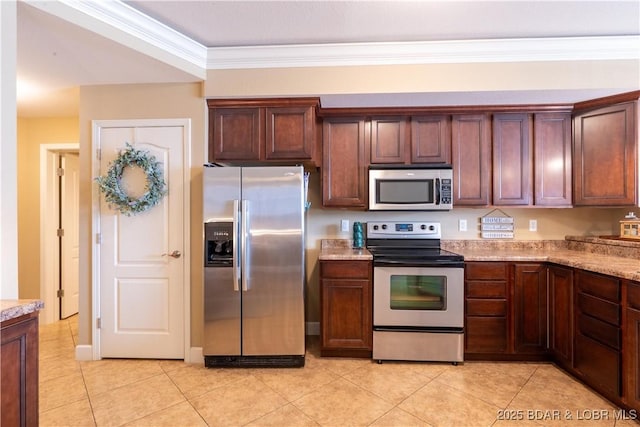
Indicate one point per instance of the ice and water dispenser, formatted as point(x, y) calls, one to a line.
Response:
point(218, 244)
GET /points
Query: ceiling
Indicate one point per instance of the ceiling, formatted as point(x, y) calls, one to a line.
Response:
point(60, 48)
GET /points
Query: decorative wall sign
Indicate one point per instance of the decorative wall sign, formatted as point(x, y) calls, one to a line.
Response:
point(111, 185)
point(496, 225)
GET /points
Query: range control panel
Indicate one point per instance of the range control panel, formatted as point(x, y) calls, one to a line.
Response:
point(403, 230)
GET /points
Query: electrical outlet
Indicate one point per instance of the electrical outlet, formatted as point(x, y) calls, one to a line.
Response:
point(462, 225)
point(344, 225)
point(533, 225)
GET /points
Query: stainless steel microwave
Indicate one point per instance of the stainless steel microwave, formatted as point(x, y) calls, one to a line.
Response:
point(410, 187)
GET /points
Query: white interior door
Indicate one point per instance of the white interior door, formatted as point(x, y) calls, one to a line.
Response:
point(141, 287)
point(69, 221)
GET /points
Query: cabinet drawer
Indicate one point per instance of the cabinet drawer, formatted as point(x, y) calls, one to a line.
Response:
point(633, 296)
point(486, 307)
point(486, 270)
point(599, 364)
point(599, 331)
point(599, 308)
point(600, 286)
point(485, 334)
point(345, 269)
point(486, 289)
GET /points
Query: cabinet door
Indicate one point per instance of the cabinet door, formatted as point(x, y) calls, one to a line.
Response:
point(431, 139)
point(604, 158)
point(471, 151)
point(512, 160)
point(344, 177)
point(561, 315)
point(552, 147)
point(389, 138)
point(290, 132)
point(530, 308)
point(19, 368)
point(235, 134)
point(632, 359)
point(346, 314)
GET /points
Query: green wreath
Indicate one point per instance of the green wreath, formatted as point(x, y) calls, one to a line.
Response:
point(116, 197)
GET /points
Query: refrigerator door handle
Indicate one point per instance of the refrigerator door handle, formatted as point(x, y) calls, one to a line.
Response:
point(236, 253)
point(244, 245)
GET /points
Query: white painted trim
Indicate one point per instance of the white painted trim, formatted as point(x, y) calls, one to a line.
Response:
point(429, 52)
point(84, 352)
point(48, 224)
point(312, 328)
point(195, 356)
point(95, 223)
point(120, 22)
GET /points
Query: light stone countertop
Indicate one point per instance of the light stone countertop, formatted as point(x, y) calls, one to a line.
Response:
point(10, 309)
point(596, 254)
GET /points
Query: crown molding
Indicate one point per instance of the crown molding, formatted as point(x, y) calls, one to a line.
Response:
point(120, 22)
point(431, 52)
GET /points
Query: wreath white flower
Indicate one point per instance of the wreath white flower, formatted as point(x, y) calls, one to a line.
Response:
point(116, 197)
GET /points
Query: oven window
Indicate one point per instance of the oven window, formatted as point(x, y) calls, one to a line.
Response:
point(410, 292)
point(405, 191)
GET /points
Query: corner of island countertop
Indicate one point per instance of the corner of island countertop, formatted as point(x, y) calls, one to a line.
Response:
point(13, 308)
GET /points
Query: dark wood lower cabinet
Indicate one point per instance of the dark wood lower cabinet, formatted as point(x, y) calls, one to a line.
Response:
point(597, 351)
point(631, 348)
point(19, 370)
point(530, 308)
point(346, 300)
point(560, 280)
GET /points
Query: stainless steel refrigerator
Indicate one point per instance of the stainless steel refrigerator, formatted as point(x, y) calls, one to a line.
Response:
point(254, 266)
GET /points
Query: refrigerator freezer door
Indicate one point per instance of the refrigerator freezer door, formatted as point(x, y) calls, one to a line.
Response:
point(222, 297)
point(222, 326)
point(273, 303)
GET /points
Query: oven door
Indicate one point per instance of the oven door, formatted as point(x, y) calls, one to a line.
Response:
point(418, 297)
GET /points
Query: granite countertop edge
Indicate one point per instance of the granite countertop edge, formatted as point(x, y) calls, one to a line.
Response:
point(11, 309)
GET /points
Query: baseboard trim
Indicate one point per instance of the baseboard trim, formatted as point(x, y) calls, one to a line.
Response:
point(84, 352)
point(312, 328)
point(195, 356)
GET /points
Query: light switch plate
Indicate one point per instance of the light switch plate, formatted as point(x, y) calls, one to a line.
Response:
point(344, 225)
point(533, 225)
point(462, 225)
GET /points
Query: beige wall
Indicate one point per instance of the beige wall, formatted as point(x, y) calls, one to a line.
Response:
point(559, 75)
point(31, 134)
point(150, 101)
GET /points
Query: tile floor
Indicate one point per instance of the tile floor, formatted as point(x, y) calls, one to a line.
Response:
point(326, 392)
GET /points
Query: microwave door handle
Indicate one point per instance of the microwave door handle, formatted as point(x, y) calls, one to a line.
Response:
point(437, 191)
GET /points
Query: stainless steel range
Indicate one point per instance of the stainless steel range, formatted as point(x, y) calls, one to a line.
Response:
point(418, 293)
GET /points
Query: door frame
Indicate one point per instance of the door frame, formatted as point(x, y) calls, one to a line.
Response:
point(49, 254)
point(96, 125)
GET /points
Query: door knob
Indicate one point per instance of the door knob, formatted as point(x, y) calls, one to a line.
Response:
point(174, 254)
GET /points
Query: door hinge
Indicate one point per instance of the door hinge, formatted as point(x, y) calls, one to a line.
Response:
point(60, 232)
point(99, 153)
point(98, 239)
point(98, 323)
point(60, 172)
point(60, 293)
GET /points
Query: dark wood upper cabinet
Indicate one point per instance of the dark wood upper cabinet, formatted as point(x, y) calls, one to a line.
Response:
point(471, 159)
point(263, 130)
point(389, 139)
point(605, 156)
point(552, 154)
point(512, 159)
point(235, 134)
point(344, 162)
point(290, 132)
point(431, 139)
